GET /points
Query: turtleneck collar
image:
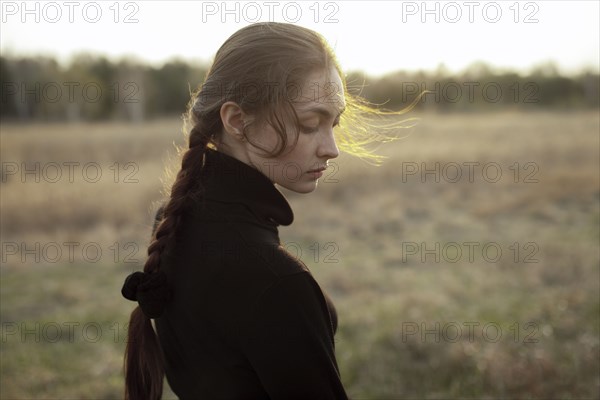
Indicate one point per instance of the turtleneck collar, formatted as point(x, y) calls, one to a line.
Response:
point(229, 180)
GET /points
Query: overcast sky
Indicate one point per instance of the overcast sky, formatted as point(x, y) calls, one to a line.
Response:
point(373, 36)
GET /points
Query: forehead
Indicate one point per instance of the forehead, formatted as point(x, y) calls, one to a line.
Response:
point(322, 90)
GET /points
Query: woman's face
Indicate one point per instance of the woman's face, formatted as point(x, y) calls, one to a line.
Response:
point(319, 105)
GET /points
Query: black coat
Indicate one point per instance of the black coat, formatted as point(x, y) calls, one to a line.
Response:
point(247, 320)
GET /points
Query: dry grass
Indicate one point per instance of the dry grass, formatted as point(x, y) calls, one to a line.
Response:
point(363, 226)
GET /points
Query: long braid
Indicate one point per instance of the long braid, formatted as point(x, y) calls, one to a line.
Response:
point(144, 360)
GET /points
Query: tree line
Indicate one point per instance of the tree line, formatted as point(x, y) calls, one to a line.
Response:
point(91, 88)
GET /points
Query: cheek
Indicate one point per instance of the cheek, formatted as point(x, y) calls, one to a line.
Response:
point(267, 138)
point(271, 137)
point(300, 154)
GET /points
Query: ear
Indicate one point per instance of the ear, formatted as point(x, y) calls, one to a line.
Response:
point(233, 117)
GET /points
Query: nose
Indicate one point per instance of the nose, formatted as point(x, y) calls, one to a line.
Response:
point(328, 148)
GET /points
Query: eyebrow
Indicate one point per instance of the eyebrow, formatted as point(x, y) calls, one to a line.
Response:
point(323, 111)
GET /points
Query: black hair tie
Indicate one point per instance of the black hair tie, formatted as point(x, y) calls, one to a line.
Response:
point(150, 290)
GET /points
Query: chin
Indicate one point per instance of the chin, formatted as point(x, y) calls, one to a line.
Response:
point(301, 187)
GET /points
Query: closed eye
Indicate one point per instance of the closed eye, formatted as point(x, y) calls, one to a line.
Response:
point(307, 129)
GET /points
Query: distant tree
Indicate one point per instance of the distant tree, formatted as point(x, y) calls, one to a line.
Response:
point(8, 107)
point(92, 87)
point(170, 91)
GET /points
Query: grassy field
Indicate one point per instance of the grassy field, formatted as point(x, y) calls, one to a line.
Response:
point(466, 266)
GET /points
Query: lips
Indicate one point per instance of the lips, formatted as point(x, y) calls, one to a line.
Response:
point(318, 169)
point(316, 174)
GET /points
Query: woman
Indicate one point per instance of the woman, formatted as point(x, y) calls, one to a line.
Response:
point(237, 317)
